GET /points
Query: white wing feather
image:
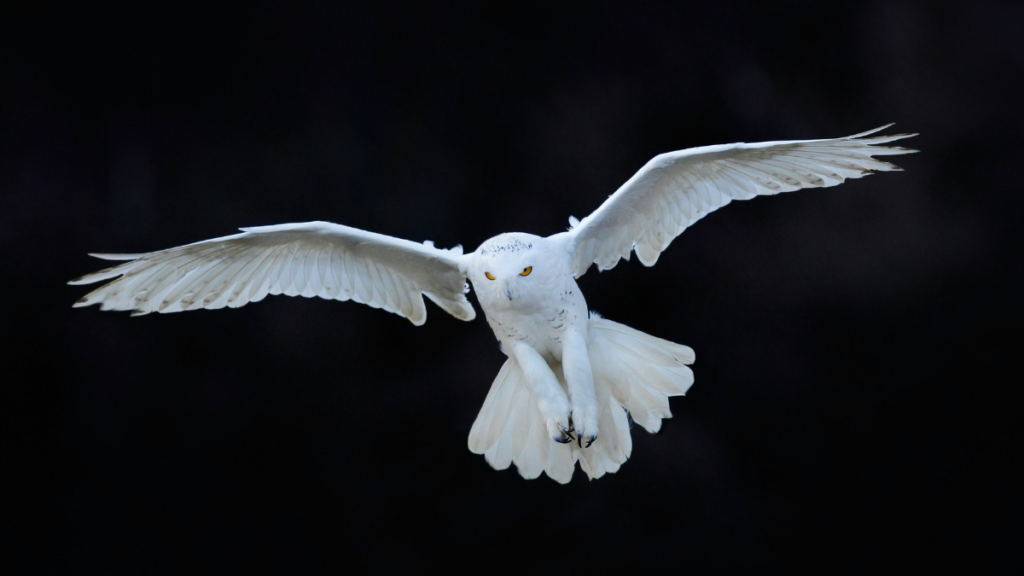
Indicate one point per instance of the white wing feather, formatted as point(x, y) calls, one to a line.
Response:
point(676, 189)
point(309, 259)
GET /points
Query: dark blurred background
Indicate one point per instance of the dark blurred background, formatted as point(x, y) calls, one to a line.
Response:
point(855, 404)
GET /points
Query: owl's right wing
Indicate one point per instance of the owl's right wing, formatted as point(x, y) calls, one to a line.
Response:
point(309, 259)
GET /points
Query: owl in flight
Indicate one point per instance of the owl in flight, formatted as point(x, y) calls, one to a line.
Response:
point(572, 379)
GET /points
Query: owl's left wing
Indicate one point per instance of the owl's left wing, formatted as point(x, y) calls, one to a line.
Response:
point(674, 190)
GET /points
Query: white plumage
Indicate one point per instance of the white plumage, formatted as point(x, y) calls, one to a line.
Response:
point(309, 259)
point(572, 379)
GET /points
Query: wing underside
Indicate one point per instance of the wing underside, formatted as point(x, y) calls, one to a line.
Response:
point(676, 189)
point(310, 259)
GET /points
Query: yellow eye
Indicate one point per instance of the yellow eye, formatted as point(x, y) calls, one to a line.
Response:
point(526, 272)
point(488, 274)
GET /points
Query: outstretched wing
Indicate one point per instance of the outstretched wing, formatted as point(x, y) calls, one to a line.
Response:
point(676, 189)
point(309, 259)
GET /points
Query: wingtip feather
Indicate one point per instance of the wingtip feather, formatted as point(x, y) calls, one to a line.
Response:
point(105, 256)
point(872, 131)
point(97, 276)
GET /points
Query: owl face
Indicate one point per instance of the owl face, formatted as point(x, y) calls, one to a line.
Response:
point(511, 271)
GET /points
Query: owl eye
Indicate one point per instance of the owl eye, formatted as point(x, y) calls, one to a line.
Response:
point(488, 274)
point(526, 271)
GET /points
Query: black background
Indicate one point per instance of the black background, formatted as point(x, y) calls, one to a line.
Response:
point(855, 400)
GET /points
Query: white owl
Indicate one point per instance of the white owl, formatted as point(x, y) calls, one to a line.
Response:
point(572, 378)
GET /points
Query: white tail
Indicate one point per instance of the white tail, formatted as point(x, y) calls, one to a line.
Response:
point(632, 371)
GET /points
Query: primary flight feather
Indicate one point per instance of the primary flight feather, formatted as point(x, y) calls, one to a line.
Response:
point(572, 379)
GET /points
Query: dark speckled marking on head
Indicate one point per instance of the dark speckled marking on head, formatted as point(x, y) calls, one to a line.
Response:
point(511, 244)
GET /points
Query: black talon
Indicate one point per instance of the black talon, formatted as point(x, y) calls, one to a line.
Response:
point(591, 441)
point(579, 440)
point(561, 441)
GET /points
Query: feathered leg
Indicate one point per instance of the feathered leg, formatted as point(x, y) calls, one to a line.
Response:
point(542, 383)
point(579, 377)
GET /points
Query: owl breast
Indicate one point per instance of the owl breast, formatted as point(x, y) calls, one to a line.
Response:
point(541, 327)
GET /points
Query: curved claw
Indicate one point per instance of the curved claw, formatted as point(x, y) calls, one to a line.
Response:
point(563, 440)
point(579, 437)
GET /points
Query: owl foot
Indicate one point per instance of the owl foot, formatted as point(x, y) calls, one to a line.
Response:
point(560, 429)
point(556, 411)
point(557, 417)
point(585, 426)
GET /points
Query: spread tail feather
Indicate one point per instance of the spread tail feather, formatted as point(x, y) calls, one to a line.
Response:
point(633, 372)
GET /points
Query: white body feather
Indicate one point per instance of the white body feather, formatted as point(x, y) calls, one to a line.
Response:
point(632, 371)
point(570, 375)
